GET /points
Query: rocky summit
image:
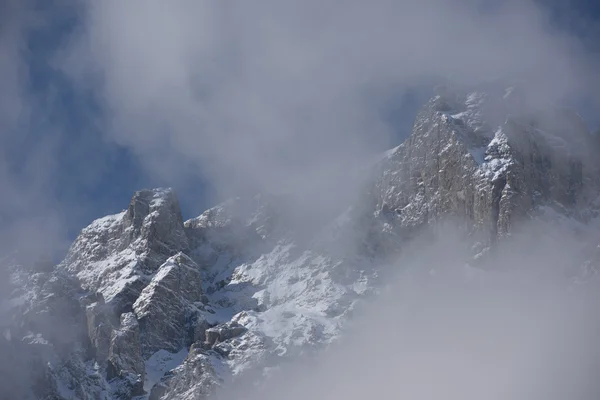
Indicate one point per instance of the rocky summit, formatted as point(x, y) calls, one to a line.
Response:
point(146, 305)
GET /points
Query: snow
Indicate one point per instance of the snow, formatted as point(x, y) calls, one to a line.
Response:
point(495, 163)
point(158, 197)
point(478, 154)
point(475, 99)
point(508, 92)
point(387, 154)
point(289, 297)
point(297, 291)
point(35, 338)
point(460, 115)
point(113, 278)
point(105, 223)
point(161, 362)
point(495, 168)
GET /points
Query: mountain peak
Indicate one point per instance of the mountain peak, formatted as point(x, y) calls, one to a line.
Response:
point(189, 304)
point(148, 201)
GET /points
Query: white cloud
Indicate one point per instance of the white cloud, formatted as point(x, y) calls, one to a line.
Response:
point(441, 330)
point(281, 94)
point(288, 96)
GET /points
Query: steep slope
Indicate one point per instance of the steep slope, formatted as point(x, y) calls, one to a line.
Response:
point(117, 255)
point(479, 158)
point(148, 305)
point(488, 161)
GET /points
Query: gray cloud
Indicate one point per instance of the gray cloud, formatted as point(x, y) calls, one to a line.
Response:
point(280, 96)
point(285, 94)
point(29, 218)
point(290, 97)
point(441, 329)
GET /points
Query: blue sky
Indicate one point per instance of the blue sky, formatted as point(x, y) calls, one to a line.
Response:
point(87, 173)
point(94, 176)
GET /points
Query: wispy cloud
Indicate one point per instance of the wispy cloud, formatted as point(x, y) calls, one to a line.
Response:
point(28, 216)
point(441, 329)
point(283, 94)
point(277, 96)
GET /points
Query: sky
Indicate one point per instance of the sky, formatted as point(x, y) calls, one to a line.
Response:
point(99, 99)
point(215, 98)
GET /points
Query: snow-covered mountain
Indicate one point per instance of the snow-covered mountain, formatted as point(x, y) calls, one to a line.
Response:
point(146, 305)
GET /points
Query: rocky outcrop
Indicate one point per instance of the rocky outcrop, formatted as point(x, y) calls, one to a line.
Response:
point(196, 378)
point(237, 227)
point(100, 325)
point(165, 308)
point(115, 254)
point(223, 332)
point(154, 219)
point(145, 301)
point(125, 362)
point(45, 336)
point(480, 159)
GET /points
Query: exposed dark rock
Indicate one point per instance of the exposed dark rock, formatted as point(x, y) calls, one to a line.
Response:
point(131, 284)
point(196, 378)
point(155, 217)
point(199, 333)
point(115, 254)
point(489, 177)
point(164, 304)
point(100, 323)
point(223, 332)
point(125, 360)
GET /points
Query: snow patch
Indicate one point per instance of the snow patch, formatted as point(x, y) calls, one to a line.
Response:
point(106, 223)
point(160, 363)
point(497, 159)
point(478, 154)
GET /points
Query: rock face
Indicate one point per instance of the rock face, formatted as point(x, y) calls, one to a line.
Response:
point(125, 357)
point(148, 305)
point(165, 308)
point(116, 254)
point(487, 168)
point(223, 332)
point(100, 324)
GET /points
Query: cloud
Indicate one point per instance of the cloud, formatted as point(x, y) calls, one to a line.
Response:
point(284, 95)
point(280, 96)
point(440, 329)
point(27, 216)
point(293, 97)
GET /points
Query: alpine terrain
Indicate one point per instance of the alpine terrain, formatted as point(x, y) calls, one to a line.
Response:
point(146, 305)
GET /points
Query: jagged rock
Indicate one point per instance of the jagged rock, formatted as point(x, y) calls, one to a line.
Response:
point(125, 360)
point(485, 159)
point(100, 322)
point(199, 334)
point(457, 164)
point(115, 254)
point(53, 308)
point(159, 390)
point(232, 228)
point(196, 378)
point(155, 216)
point(164, 306)
point(223, 332)
point(48, 337)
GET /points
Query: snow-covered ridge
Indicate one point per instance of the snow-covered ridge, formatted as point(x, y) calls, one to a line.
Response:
point(170, 309)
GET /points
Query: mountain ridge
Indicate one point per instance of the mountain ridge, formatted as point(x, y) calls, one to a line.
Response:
point(163, 308)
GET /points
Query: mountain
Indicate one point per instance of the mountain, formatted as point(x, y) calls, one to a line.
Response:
point(146, 305)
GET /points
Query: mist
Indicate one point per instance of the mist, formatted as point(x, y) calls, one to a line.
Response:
point(277, 97)
point(289, 96)
point(294, 98)
point(511, 328)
